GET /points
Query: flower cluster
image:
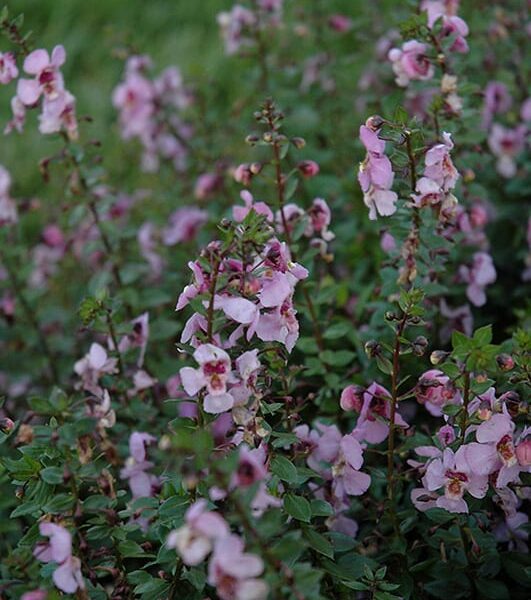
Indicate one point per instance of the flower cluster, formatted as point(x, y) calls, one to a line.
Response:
point(150, 112)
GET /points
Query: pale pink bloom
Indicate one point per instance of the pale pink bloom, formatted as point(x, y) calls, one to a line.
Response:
point(411, 63)
point(376, 176)
point(134, 99)
point(67, 576)
point(523, 453)
point(8, 67)
point(280, 325)
point(340, 23)
point(8, 209)
point(195, 539)
point(477, 277)
point(207, 184)
point(506, 144)
point(251, 467)
point(147, 242)
point(213, 373)
point(141, 483)
point(240, 212)
point(8, 305)
point(184, 225)
point(138, 338)
point(435, 390)
point(497, 100)
point(439, 8)
point(53, 236)
point(525, 110)
point(321, 444)
point(102, 410)
point(59, 114)
point(455, 476)
point(291, 214)
point(439, 165)
point(238, 309)
point(234, 573)
point(387, 242)
point(48, 79)
point(458, 318)
point(347, 477)
point(429, 193)
point(320, 217)
point(19, 116)
point(495, 450)
point(423, 499)
point(511, 531)
point(142, 380)
point(373, 422)
point(235, 28)
point(243, 174)
point(456, 27)
point(93, 365)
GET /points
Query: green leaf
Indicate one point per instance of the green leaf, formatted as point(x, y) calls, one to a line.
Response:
point(321, 508)
point(284, 469)
point(483, 336)
point(492, 589)
point(53, 475)
point(298, 507)
point(318, 542)
point(439, 515)
point(384, 364)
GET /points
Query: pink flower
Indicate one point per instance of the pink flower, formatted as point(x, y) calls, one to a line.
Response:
point(428, 193)
point(455, 476)
point(497, 100)
point(375, 413)
point(184, 224)
point(477, 277)
point(134, 99)
point(93, 365)
point(234, 27)
point(523, 453)
point(456, 27)
point(446, 435)
point(8, 67)
point(213, 373)
point(251, 467)
point(207, 184)
point(59, 114)
point(495, 450)
point(67, 576)
point(320, 217)
point(280, 325)
point(387, 242)
point(458, 318)
point(195, 539)
point(19, 116)
point(439, 8)
point(141, 482)
point(376, 176)
point(234, 573)
point(138, 338)
point(146, 237)
point(435, 390)
point(506, 144)
point(48, 80)
point(340, 23)
point(439, 165)
point(240, 212)
point(53, 236)
point(347, 477)
point(8, 209)
point(411, 63)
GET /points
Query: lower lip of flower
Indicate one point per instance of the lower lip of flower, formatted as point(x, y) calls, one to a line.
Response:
point(455, 485)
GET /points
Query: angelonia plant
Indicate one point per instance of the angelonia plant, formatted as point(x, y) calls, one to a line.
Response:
point(288, 355)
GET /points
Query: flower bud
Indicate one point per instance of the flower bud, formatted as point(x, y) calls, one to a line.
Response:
point(298, 142)
point(252, 139)
point(390, 316)
point(372, 348)
point(267, 137)
point(6, 425)
point(308, 168)
point(468, 175)
point(523, 453)
point(438, 356)
point(374, 122)
point(352, 398)
point(505, 362)
point(419, 345)
point(446, 435)
point(255, 168)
